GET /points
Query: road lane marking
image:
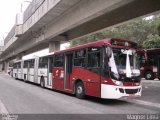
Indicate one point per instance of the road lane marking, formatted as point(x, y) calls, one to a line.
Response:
point(3, 109)
point(147, 103)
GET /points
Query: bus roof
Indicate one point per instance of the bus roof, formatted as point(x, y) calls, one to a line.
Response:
point(18, 61)
point(150, 50)
point(107, 41)
point(47, 55)
point(153, 50)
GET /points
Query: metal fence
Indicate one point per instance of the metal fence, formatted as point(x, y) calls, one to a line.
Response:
point(34, 5)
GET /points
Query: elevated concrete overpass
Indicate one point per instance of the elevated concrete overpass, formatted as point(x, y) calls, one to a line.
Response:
point(51, 22)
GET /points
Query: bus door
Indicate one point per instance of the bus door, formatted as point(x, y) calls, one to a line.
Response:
point(50, 65)
point(58, 72)
point(36, 70)
point(28, 72)
point(68, 70)
point(94, 66)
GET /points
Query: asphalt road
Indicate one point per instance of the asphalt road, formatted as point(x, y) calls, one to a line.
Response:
point(18, 97)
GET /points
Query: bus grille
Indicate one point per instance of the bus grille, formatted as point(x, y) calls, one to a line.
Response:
point(131, 91)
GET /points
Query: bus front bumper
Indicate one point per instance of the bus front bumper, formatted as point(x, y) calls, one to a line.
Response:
point(120, 92)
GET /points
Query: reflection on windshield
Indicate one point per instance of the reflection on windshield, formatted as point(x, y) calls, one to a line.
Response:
point(123, 60)
point(113, 66)
point(120, 59)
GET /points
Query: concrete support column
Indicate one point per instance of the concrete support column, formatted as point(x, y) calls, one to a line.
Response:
point(1, 66)
point(6, 66)
point(54, 46)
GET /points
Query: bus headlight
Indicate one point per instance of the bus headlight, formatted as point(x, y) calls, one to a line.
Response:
point(118, 82)
point(142, 68)
point(155, 69)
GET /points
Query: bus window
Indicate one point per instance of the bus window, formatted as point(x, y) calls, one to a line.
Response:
point(59, 60)
point(50, 64)
point(142, 58)
point(19, 65)
point(94, 56)
point(80, 53)
point(151, 59)
point(15, 66)
point(31, 63)
point(79, 59)
point(25, 64)
point(43, 62)
point(94, 59)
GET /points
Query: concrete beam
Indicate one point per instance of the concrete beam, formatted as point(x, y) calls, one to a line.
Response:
point(6, 66)
point(132, 10)
point(54, 46)
point(1, 66)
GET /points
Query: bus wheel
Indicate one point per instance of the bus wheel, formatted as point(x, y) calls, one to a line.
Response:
point(149, 75)
point(42, 82)
point(25, 78)
point(80, 90)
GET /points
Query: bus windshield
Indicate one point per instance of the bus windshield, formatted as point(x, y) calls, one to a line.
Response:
point(120, 56)
point(123, 62)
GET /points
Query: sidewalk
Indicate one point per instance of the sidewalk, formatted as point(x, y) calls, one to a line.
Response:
point(3, 109)
point(150, 91)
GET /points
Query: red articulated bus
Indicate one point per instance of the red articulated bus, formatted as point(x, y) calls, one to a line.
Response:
point(150, 63)
point(106, 69)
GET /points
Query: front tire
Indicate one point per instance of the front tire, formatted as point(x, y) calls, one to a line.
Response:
point(149, 75)
point(80, 92)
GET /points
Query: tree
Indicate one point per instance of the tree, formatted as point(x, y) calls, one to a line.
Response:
point(140, 31)
point(152, 42)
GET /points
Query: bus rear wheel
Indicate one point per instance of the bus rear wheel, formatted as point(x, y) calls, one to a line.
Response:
point(80, 93)
point(42, 83)
point(25, 78)
point(149, 75)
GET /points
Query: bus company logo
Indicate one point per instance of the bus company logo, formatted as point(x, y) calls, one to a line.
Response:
point(143, 117)
point(57, 71)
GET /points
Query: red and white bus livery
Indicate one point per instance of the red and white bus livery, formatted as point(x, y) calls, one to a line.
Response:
point(150, 63)
point(106, 69)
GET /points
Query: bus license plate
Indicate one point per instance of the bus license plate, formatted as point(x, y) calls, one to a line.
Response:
point(131, 95)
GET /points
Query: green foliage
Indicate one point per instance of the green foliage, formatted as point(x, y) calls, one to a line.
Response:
point(144, 32)
point(152, 42)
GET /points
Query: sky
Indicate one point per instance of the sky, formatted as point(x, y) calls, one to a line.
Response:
point(8, 11)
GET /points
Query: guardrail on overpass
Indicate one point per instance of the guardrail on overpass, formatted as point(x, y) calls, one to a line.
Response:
point(35, 11)
point(50, 19)
point(34, 18)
